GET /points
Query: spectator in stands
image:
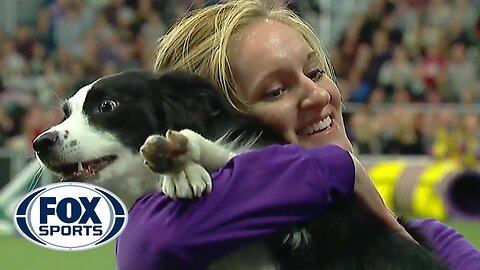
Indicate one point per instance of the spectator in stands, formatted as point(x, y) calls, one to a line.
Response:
point(6, 125)
point(32, 124)
point(461, 69)
point(447, 134)
point(469, 142)
point(396, 73)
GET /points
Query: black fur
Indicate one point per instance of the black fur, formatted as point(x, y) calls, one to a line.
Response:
point(345, 237)
point(170, 100)
point(348, 237)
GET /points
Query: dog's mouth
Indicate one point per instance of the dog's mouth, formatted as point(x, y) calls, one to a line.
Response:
point(82, 170)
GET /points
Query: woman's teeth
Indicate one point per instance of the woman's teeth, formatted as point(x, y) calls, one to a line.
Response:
point(317, 127)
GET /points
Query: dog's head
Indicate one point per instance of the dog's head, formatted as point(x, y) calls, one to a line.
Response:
point(108, 120)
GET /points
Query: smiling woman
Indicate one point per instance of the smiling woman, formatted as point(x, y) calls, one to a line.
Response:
point(269, 63)
point(265, 61)
point(276, 70)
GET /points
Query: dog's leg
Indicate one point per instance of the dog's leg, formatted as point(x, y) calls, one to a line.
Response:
point(182, 158)
point(211, 155)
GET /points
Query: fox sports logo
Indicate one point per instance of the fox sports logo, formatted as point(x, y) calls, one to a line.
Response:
point(70, 216)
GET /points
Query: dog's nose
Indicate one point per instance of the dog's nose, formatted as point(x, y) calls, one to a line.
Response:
point(45, 142)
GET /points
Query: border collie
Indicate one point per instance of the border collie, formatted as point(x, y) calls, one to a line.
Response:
point(105, 139)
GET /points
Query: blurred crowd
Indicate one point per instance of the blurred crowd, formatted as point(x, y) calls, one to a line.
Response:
point(393, 60)
point(422, 59)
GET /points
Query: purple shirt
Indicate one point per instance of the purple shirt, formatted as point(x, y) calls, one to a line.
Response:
point(254, 195)
point(449, 245)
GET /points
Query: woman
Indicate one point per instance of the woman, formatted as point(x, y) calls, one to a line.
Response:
point(268, 63)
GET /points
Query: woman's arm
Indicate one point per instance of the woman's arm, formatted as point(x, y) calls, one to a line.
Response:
point(254, 195)
point(449, 245)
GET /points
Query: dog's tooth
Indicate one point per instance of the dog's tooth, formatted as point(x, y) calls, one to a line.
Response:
point(80, 167)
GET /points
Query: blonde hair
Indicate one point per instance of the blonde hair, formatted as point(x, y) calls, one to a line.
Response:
point(199, 42)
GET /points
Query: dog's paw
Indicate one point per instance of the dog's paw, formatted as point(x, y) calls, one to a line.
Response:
point(175, 155)
point(192, 182)
point(155, 152)
point(169, 153)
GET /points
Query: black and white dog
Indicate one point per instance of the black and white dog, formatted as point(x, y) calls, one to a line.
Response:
point(106, 139)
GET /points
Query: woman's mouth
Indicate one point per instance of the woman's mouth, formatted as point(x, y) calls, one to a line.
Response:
point(317, 127)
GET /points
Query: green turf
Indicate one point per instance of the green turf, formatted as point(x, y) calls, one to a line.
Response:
point(19, 254)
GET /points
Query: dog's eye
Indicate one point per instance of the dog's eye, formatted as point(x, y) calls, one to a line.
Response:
point(107, 105)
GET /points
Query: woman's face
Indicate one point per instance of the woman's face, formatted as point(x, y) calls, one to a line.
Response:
point(278, 73)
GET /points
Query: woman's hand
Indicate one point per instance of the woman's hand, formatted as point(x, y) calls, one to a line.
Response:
point(365, 189)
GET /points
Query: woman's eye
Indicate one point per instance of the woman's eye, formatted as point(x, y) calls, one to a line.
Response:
point(315, 74)
point(275, 93)
point(107, 105)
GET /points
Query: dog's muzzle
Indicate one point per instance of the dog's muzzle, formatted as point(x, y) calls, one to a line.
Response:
point(43, 144)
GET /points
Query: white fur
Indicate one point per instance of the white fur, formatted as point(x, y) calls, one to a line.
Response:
point(129, 178)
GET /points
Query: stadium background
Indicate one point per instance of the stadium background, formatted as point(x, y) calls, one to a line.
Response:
point(408, 70)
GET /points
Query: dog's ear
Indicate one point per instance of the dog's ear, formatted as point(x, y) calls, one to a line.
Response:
point(185, 100)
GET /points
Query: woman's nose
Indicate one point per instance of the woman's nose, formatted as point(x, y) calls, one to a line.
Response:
point(315, 95)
